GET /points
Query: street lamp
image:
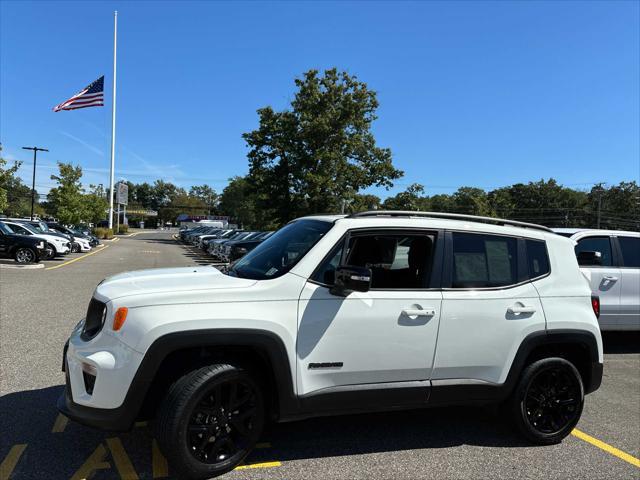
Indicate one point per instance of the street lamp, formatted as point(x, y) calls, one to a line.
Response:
point(33, 184)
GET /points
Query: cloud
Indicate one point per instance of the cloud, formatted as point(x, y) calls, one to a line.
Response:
point(95, 150)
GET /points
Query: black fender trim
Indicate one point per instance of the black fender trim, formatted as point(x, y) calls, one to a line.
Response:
point(469, 391)
point(123, 417)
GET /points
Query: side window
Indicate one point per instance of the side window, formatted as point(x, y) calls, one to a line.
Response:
point(630, 247)
point(401, 261)
point(537, 258)
point(597, 244)
point(20, 230)
point(484, 261)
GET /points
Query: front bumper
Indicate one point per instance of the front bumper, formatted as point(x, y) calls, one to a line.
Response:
point(111, 403)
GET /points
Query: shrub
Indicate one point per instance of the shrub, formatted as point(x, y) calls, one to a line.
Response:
point(123, 229)
point(103, 233)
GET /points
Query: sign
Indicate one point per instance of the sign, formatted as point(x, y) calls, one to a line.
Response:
point(122, 193)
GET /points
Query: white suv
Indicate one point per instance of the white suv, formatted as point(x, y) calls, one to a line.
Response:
point(339, 314)
point(610, 259)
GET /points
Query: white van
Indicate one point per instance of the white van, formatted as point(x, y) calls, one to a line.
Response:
point(610, 259)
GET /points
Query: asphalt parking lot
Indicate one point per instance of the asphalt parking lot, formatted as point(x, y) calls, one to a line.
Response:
point(38, 309)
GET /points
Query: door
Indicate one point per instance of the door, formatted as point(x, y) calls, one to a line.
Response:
point(385, 335)
point(605, 279)
point(629, 318)
point(489, 307)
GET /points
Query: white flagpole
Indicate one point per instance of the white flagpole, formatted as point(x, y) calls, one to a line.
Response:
point(113, 116)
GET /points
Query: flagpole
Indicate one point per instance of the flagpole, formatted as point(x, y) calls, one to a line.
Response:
point(113, 116)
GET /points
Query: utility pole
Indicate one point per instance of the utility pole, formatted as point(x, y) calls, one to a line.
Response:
point(33, 183)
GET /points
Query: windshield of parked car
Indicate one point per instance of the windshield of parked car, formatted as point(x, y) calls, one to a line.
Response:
point(281, 251)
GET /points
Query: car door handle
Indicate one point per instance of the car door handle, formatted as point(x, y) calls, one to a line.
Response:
point(521, 309)
point(610, 278)
point(419, 312)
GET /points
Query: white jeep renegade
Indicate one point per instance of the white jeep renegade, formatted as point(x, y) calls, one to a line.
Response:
point(333, 314)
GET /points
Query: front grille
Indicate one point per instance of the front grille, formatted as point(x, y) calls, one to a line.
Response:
point(94, 322)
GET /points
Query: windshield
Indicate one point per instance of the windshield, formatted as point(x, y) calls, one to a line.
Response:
point(281, 251)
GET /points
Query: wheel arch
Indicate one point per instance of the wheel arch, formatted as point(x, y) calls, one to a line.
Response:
point(261, 352)
point(580, 347)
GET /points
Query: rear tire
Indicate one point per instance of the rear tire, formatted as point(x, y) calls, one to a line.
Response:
point(210, 420)
point(547, 402)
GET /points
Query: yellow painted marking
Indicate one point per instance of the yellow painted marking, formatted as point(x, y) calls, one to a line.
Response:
point(140, 424)
point(93, 463)
point(121, 459)
point(60, 424)
point(159, 465)
point(79, 258)
point(259, 465)
point(606, 447)
point(263, 445)
point(11, 460)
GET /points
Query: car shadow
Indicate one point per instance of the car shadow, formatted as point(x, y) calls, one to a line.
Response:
point(621, 342)
point(29, 417)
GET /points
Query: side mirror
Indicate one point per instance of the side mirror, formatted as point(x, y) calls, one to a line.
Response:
point(350, 278)
point(589, 259)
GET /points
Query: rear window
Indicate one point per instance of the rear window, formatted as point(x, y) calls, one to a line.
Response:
point(484, 261)
point(630, 247)
point(537, 258)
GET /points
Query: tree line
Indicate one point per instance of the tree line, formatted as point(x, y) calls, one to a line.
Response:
point(319, 155)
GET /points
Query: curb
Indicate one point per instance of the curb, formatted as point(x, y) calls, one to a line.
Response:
point(31, 266)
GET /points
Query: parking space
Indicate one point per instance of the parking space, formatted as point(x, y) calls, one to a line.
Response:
point(39, 308)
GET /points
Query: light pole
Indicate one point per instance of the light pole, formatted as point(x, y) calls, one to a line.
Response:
point(33, 184)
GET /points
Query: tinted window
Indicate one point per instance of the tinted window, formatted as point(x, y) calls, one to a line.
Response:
point(484, 261)
point(537, 258)
point(597, 244)
point(396, 261)
point(20, 230)
point(630, 247)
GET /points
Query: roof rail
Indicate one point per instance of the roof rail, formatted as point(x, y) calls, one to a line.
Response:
point(448, 216)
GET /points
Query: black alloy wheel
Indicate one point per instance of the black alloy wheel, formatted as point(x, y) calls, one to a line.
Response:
point(49, 252)
point(220, 426)
point(548, 400)
point(552, 400)
point(24, 255)
point(210, 420)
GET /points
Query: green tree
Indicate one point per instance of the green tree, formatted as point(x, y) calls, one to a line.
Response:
point(310, 158)
point(472, 201)
point(95, 204)
point(238, 202)
point(67, 201)
point(363, 202)
point(619, 206)
point(7, 180)
point(181, 203)
point(208, 196)
point(411, 199)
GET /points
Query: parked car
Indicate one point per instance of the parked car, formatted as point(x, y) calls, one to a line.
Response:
point(205, 240)
point(215, 245)
point(55, 244)
point(92, 240)
point(22, 248)
point(227, 248)
point(242, 247)
point(335, 314)
point(610, 259)
point(75, 244)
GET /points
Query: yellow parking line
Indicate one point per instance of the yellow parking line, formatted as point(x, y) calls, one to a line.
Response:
point(121, 459)
point(60, 424)
point(259, 465)
point(11, 460)
point(76, 259)
point(159, 465)
point(606, 447)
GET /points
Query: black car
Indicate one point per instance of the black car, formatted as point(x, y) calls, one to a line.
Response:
point(93, 241)
point(22, 248)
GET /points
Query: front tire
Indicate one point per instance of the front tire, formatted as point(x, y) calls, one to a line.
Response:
point(547, 402)
point(210, 420)
point(25, 255)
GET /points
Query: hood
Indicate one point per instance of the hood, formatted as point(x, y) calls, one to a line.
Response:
point(167, 280)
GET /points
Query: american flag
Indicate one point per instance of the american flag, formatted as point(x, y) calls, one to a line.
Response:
point(91, 96)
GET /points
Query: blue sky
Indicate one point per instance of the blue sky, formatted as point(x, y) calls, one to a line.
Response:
point(471, 93)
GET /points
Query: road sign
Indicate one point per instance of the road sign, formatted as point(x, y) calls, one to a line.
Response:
point(122, 193)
